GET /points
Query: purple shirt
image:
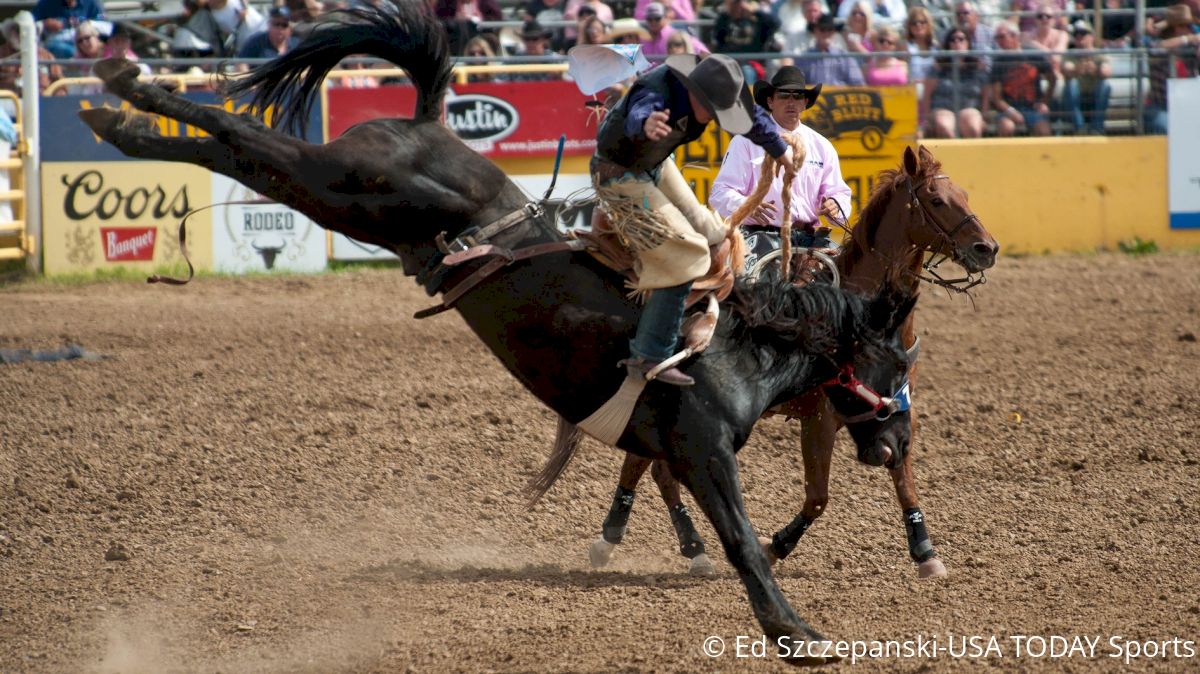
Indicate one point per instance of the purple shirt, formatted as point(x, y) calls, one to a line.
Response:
point(820, 177)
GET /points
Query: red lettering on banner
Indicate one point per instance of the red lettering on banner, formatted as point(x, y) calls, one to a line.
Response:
point(126, 244)
point(510, 119)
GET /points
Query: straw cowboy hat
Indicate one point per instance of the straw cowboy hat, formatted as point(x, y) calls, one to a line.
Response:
point(718, 82)
point(789, 78)
point(1177, 15)
point(622, 27)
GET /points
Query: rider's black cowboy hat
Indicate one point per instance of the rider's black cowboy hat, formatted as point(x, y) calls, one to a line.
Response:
point(718, 82)
point(789, 78)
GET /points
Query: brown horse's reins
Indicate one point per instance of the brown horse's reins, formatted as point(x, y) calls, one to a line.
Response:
point(945, 241)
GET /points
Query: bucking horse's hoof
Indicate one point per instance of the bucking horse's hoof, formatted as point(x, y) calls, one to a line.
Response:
point(600, 552)
point(117, 73)
point(701, 565)
point(807, 649)
point(931, 568)
point(107, 122)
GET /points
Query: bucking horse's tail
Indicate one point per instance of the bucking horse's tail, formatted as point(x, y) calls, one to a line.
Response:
point(401, 31)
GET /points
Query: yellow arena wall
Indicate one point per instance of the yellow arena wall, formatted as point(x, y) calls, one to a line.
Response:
point(1039, 195)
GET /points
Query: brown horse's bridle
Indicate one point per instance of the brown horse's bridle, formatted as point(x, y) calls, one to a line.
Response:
point(945, 241)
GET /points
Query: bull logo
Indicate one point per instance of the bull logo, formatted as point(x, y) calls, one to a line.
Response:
point(268, 253)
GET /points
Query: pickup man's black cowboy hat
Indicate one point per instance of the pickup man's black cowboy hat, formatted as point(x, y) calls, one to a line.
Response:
point(718, 82)
point(789, 78)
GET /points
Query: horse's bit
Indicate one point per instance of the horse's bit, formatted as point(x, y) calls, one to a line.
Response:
point(882, 407)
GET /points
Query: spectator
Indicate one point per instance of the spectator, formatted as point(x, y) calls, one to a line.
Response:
point(598, 7)
point(1087, 89)
point(742, 28)
point(547, 13)
point(886, 71)
point(1031, 8)
point(795, 16)
point(955, 90)
point(858, 27)
point(680, 43)
point(884, 11)
point(1022, 85)
point(60, 18)
point(591, 31)
point(661, 33)
point(10, 70)
point(363, 81)
point(217, 27)
point(828, 63)
point(918, 33)
point(88, 47)
point(1117, 30)
point(677, 10)
point(627, 31)
point(304, 11)
point(980, 34)
point(1048, 36)
point(536, 40)
point(275, 41)
point(461, 18)
point(1176, 34)
point(480, 47)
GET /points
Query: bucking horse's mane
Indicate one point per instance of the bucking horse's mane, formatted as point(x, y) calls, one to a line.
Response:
point(399, 31)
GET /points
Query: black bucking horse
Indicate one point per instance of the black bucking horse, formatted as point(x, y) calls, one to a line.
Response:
point(558, 321)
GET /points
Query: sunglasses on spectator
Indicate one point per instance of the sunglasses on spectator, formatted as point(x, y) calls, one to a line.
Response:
point(653, 18)
point(958, 38)
point(789, 95)
point(918, 22)
point(1045, 16)
point(964, 12)
point(476, 52)
point(857, 13)
point(280, 24)
point(885, 40)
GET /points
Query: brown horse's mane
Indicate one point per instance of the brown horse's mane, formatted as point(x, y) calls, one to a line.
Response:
point(862, 237)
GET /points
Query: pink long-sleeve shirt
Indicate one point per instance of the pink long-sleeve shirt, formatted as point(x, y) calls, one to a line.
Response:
point(820, 177)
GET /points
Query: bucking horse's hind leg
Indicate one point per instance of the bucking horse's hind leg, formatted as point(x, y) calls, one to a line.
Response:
point(713, 480)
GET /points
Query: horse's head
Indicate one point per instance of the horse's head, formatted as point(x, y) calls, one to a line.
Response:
point(870, 393)
point(944, 224)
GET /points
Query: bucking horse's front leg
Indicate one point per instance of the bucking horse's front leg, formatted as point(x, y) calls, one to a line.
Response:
point(712, 477)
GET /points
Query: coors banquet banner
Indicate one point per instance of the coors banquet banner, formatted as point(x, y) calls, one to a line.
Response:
point(103, 210)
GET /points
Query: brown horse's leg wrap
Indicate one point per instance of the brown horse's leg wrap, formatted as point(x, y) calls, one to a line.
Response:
point(919, 547)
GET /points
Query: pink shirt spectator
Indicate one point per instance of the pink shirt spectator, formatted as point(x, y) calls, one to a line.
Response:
point(603, 11)
point(887, 76)
point(821, 177)
point(657, 46)
point(683, 10)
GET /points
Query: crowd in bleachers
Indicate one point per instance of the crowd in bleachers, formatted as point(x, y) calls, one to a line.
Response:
point(981, 66)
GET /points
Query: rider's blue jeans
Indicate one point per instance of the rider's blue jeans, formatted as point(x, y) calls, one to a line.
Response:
point(658, 328)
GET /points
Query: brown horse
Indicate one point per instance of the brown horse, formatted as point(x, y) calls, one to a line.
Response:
point(913, 211)
point(558, 322)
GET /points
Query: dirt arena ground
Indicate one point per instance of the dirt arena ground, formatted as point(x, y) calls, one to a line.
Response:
point(295, 476)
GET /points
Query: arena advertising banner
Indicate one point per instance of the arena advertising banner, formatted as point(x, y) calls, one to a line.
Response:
point(1183, 153)
point(509, 119)
point(869, 127)
point(568, 187)
point(103, 210)
point(111, 214)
